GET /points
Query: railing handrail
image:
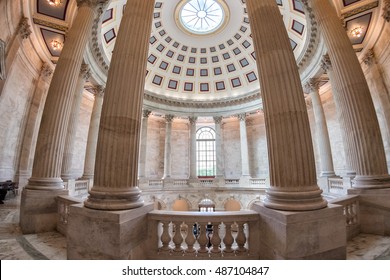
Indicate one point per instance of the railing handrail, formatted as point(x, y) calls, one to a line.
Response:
point(227, 216)
point(347, 199)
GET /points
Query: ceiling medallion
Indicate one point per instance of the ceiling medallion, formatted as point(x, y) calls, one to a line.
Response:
point(202, 17)
point(357, 32)
point(55, 3)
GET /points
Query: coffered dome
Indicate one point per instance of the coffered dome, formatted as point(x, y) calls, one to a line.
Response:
point(201, 52)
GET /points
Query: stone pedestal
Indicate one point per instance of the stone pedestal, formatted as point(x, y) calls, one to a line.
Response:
point(374, 208)
point(318, 234)
point(107, 235)
point(39, 211)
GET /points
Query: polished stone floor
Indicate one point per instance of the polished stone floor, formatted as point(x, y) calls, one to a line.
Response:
point(52, 245)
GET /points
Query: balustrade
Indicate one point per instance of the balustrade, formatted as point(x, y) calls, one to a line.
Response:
point(196, 235)
point(336, 186)
point(258, 182)
point(63, 203)
point(350, 205)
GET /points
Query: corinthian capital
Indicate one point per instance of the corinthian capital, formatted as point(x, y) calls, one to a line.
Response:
point(386, 10)
point(99, 91)
point(85, 71)
point(313, 84)
point(326, 64)
point(24, 28)
point(169, 118)
point(369, 58)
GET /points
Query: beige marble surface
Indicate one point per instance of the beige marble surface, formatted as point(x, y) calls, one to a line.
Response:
point(52, 245)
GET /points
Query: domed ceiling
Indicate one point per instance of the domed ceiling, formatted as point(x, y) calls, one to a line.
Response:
point(203, 49)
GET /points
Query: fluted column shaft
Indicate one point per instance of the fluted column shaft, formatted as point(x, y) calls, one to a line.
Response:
point(143, 144)
point(116, 169)
point(362, 138)
point(51, 139)
point(193, 174)
point(291, 158)
point(93, 132)
point(168, 148)
point(219, 172)
point(244, 146)
point(327, 168)
point(66, 173)
point(380, 94)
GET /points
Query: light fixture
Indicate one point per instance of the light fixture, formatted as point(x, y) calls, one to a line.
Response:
point(55, 3)
point(357, 31)
point(56, 45)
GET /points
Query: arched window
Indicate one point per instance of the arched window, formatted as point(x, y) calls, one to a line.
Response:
point(205, 152)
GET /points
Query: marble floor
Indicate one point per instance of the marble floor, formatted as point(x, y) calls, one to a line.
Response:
point(52, 245)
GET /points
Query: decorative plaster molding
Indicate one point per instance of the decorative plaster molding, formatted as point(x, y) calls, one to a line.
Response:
point(369, 58)
point(169, 118)
point(386, 10)
point(361, 9)
point(50, 24)
point(326, 64)
point(313, 84)
point(85, 71)
point(24, 28)
point(146, 113)
point(2, 60)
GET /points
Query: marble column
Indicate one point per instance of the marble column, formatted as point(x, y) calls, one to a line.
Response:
point(219, 172)
point(116, 169)
point(362, 137)
point(143, 144)
point(66, 173)
point(11, 49)
point(245, 171)
point(38, 198)
point(32, 125)
point(167, 149)
point(93, 132)
point(293, 184)
point(327, 168)
point(193, 174)
point(380, 94)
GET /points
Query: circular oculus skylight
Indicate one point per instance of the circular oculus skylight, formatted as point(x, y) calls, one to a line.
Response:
point(202, 16)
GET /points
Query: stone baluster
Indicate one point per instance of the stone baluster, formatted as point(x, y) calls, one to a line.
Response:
point(168, 148)
point(177, 239)
point(202, 239)
point(93, 132)
point(143, 144)
point(293, 182)
point(240, 238)
point(228, 239)
point(327, 169)
point(215, 239)
point(190, 240)
point(46, 173)
point(116, 172)
point(361, 133)
point(193, 174)
point(165, 238)
point(66, 173)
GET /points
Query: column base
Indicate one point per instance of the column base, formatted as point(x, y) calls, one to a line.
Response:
point(294, 200)
point(107, 235)
point(374, 208)
point(101, 198)
point(38, 210)
point(45, 184)
point(315, 235)
point(371, 182)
